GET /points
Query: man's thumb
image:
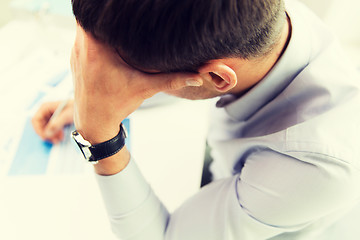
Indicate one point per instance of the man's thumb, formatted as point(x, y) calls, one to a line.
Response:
point(56, 125)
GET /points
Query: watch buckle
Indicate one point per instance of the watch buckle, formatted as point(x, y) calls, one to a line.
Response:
point(84, 146)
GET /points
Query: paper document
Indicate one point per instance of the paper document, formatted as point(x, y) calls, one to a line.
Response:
point(34, 156)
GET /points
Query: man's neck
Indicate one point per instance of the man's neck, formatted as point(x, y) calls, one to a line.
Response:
point(250, 72)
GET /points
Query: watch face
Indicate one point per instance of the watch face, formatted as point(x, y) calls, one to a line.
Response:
point(83, 145)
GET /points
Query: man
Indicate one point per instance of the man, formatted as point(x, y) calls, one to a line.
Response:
point(284, 132)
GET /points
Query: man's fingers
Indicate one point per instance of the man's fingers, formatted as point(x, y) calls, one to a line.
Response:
point(42, 116)
point(51, 129)
point(38, 125)
point(56, 125)
point(56, 138)
point(193, 82)
point(171, 82)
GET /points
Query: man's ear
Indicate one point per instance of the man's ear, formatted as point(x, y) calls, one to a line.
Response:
point(221, 76)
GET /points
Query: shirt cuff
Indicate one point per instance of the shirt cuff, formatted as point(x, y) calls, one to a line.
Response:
point(125, 190)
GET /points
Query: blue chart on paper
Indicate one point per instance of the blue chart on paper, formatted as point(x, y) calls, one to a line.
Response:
point(33, 154)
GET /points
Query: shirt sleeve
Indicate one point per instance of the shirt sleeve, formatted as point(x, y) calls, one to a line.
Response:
point(133, 209)
point(273, 194)
point(213, 213)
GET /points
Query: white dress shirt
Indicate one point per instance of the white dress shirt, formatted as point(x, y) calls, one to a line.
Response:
point(286, 154)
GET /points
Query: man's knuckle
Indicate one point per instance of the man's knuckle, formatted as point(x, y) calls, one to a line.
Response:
point(146, 93)
point(171, 85)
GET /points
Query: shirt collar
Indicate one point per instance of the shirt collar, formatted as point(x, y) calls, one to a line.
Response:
point(294, 59)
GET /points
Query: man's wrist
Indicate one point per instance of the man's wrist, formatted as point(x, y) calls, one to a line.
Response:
point(97, 149)
point(113, 164)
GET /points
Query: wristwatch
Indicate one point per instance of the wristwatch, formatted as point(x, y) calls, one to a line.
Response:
point(94, 153)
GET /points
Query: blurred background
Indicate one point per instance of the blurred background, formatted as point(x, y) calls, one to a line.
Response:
point(36, 37)
point(344, 18)
point(12, 9)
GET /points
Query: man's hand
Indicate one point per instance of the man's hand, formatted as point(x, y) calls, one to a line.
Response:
point(107, 90)
point(51, 129)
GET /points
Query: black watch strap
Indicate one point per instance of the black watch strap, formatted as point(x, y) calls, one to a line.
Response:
point(94, 153)
point(108, 148)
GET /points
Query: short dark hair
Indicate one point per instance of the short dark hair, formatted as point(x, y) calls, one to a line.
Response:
point(182, 35)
